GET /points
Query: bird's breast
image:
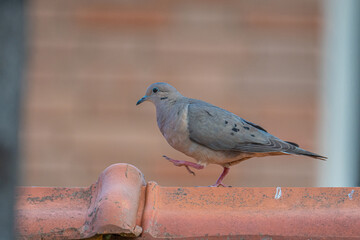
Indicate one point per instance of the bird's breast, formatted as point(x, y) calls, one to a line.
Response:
point(172, 123)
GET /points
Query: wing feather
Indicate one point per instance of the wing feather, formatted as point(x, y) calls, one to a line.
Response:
point(222, 130)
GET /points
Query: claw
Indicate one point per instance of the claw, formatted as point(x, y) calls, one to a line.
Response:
point(219, 185)
point(187, 167)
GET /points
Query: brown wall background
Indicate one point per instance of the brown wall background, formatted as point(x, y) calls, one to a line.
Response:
point(90, 61)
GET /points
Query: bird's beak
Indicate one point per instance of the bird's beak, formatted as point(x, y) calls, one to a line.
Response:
point(143, 99)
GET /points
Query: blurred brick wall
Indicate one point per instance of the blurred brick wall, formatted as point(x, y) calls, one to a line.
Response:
point(90, 61)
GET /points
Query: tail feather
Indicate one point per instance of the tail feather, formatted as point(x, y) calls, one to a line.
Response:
point(292, 143)
point(300, 151)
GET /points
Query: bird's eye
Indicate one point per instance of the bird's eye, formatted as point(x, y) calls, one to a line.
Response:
point(155, 90)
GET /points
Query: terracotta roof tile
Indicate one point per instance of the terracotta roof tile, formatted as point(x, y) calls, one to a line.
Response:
point(120, 203)
point(109, 206)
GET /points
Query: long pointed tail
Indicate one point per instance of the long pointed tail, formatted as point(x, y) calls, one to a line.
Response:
point(300, 151)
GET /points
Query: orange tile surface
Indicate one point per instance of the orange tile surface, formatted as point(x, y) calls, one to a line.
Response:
point(122, 203)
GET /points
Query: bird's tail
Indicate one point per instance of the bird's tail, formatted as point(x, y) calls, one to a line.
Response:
point(300, 151)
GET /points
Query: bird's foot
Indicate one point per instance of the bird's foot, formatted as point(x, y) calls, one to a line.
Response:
point(220, 179)
point(219, 185)
point(186, 164)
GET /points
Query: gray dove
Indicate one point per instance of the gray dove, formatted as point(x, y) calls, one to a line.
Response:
point(212, 135)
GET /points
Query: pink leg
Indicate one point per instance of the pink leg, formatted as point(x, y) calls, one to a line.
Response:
point(222, 176)
point(187, 164)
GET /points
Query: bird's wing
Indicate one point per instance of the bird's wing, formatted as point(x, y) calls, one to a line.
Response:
point(219, 129)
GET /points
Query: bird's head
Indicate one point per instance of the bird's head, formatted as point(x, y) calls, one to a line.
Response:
point(158, 92)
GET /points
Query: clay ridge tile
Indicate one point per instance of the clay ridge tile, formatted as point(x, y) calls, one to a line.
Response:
point(119, 203)
point(110, 206)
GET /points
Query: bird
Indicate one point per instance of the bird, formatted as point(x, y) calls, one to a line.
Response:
point(210, 134)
